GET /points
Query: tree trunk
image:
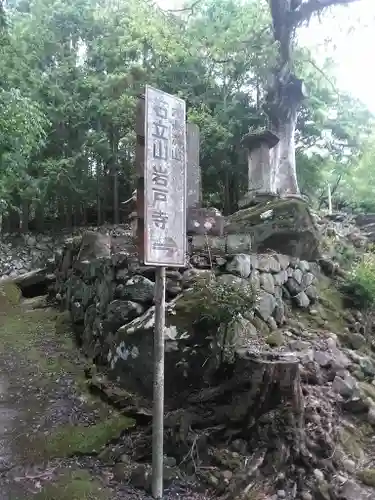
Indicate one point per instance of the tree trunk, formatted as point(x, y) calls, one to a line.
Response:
point(286, 91)
point(116, 212)
point(61, 211)
point(283, 159)
point(98, 191)
point(39, 218)
point(5, 224)
point(285, 94)
point(257, 402)
point(25, 215)
point(84, 214)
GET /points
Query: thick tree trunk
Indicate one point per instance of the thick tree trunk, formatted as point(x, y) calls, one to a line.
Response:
point(98, 193)
point(286, 91)
point(284, 97)
point(39, 218)
point(260, 402)
point(25, 215)
point(116, 211)
point(283, 158)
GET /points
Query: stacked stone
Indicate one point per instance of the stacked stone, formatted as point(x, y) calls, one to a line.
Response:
point(22, 253)
point(104, 286)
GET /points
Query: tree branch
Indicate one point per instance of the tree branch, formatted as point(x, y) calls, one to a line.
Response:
point(324, 198)
point(185, 9)
point(306, 10)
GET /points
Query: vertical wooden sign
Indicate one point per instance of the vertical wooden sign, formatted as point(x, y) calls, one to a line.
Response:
point(165, 180)
point(161, 206)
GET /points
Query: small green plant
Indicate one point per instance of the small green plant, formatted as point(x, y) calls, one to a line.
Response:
point(360, 284)
point(215, 307)
point(218, 302)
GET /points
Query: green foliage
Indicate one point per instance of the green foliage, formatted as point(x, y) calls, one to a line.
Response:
point(357, 188)
point(360, 284)
point(70, 75)
point(213, 303)
point(22, 134)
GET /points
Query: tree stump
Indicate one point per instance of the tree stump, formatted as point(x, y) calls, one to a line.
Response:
point(260, 402)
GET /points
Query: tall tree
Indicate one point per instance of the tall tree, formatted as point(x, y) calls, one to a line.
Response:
point(73, 69)
point(286, 91)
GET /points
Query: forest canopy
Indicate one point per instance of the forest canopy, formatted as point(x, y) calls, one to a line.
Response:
point(70, 75)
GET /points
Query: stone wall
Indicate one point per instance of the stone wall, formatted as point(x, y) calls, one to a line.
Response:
point(21, 253)
point(109, 294)
point(24, 252)
point(300, 389)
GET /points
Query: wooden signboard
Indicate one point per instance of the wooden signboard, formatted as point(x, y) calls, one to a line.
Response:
point(164, 180)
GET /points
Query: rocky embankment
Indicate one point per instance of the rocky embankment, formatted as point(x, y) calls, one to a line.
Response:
point(22, 253)
point(296, 394)
point(281, 404)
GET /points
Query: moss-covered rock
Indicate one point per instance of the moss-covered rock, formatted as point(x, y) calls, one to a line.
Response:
point(367, 476)
point(10, 295)
point(275, 339)
point(368, 390)
point(351, 443)
point(202, 332)
point(283, 225)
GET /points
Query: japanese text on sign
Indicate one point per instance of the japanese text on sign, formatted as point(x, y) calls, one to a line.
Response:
point(165, 179)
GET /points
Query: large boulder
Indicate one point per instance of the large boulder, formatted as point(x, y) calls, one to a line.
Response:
point(194, 348)
point(94, 245)
point(283, 225)
point(130, 353)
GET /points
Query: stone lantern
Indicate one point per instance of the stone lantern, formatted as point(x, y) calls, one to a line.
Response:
point(260, 176)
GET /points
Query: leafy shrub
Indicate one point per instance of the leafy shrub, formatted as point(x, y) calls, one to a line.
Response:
point(215, 307)
point(216, 303)
point(360, 285)
point(212, 303)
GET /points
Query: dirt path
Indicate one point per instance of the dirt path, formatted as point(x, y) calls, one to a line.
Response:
point(51, 429)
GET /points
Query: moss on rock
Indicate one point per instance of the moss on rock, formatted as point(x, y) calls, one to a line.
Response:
point(275, 339)
point(351, 443)
point(289, 227)
point(10, 296)
point(367, 476)
point(367, 389)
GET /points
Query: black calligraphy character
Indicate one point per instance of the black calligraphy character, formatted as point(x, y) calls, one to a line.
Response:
point(161, 109)
point(160, 149)
point(160, 176)
point(178, 114)
point(160, 130)
point(160, 133)
point(159, 195)
point(177, 152)
point(160, 219)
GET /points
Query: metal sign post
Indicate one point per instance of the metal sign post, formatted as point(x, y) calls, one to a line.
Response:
point(164, 235)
